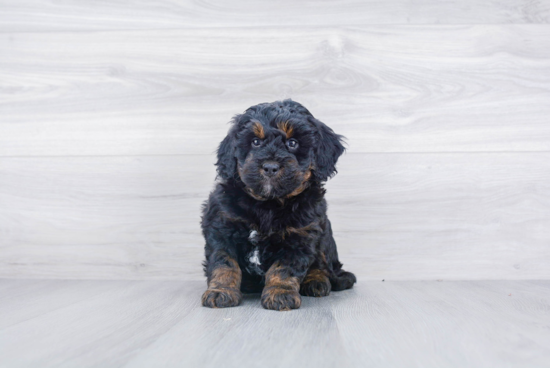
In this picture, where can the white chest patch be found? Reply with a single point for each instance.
(253, 237)
(255, 257)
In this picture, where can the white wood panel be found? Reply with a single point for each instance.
(388, 88)
(89, 217)
(396, 216)
(36, 15)
(376, 324)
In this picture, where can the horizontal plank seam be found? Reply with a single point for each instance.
(268, 27)
(198, 279)
(346, 153)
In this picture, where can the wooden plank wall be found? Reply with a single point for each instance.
(110, 114)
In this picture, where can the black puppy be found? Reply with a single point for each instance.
(265, 223)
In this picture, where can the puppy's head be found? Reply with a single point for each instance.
(277, 149)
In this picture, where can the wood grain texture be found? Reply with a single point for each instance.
(120, 316)
(110, 113)
(35, 15)
(396, 216)
(376, 324)
(387, 88)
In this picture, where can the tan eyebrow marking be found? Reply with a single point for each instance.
(287, 128)
(258, 130)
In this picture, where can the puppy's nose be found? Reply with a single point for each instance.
(271, 168)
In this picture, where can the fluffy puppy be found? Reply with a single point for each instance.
(265, 224)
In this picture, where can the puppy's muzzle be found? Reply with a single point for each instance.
(270, 168)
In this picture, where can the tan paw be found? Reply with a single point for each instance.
(280, 299)
(221, 298)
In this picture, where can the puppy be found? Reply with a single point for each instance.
(265, 224)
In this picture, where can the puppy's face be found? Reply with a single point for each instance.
(275, 158)
(277, 149)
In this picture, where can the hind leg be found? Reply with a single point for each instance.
(342, 280)
(316, 283)
(339, 279)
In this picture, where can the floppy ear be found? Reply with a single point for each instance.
(227, 161)
(329, 148)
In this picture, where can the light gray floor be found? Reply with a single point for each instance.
(377, 324)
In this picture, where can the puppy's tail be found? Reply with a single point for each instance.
(342, 280)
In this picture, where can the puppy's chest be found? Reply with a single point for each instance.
(263, 242)
(260, 251)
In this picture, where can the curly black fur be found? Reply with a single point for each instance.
(265, 223)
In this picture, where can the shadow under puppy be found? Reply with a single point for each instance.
(265, 223)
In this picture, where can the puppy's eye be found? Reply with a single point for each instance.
(256, 142)
(292, 143)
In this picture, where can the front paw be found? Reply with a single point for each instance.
(280, 299)
(221, 298)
